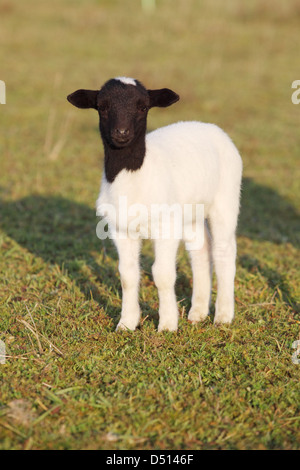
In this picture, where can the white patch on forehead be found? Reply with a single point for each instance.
(126, 80)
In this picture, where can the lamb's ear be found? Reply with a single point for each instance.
(84, 98)
(162, 98)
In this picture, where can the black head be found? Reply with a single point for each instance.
(123, 105)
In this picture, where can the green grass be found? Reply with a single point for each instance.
(70, 381)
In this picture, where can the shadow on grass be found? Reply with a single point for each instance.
(63, 232)
(266, 216)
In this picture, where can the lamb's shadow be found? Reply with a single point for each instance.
(63, 232)
(267, 216)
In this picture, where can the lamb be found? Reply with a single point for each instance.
(186, 163)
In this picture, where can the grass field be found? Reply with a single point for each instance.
(69, 381)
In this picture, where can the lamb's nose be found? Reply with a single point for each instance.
(122, 132)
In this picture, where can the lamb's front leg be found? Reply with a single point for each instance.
(202, 279)
(129, 269)
(164, 274)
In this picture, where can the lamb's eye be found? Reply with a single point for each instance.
(142, 108)
(103, 107)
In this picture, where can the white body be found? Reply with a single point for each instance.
(185, 163)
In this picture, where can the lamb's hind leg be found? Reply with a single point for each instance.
(224, 255)
(202, 276)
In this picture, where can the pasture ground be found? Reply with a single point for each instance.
(69, 381)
